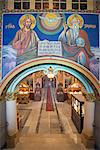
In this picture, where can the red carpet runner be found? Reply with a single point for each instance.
(49, 103)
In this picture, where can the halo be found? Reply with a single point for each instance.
(27, 16)
(79, 19)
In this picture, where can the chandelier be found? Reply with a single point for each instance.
(50, 74)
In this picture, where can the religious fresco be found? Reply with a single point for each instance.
(50, 23)
(72, 36)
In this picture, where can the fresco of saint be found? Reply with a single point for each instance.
(75, 41)
(23, 47)
(25, 38)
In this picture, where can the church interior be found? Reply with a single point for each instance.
(55, 116)
(49, 74)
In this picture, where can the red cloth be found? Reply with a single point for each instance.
(49, 103)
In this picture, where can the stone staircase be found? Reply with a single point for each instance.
(48, 135)
(47, 142)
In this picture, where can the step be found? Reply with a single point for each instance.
(44, 142)
(46, 135)
(46, 138)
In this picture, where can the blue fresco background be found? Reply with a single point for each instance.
(9, 54)
(91, 19)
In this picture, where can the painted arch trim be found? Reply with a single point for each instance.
(50, 60)
(25, 73)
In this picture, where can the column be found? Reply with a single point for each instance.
(73, 80)
(33, 76)
(50, 4)
(69, 5)
(11, 118)
(87, 133)
(63, 79)
(10, 4)
(57, 82)
(90, 5)
(32, 4)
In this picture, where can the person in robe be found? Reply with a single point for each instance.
(26, 39)
(37, 93)
(75, 42)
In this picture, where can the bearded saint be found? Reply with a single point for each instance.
(75, 43)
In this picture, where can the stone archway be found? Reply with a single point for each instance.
(10, 81)
(44, 67)
(79, 71)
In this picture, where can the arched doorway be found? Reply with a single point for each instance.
(9, 83)
(59, 64)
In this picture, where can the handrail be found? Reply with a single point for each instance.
(60, 123)
(82, 101)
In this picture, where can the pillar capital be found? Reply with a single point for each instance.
(11, 96)
(2, 97)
